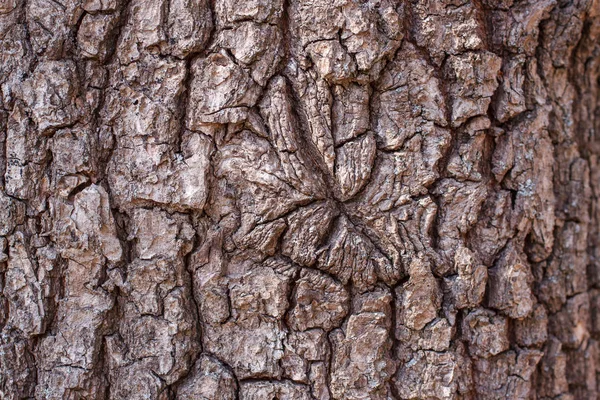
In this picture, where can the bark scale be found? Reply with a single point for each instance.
(300, 199)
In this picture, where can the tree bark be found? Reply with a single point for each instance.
(299, 199)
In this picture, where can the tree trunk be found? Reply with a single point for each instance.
(300, 199)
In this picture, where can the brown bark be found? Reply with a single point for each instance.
(301, 199)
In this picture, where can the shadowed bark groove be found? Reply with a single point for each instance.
(299, 199)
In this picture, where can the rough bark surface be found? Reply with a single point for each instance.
(299, 199)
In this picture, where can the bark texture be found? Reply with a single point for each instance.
(299, 199)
